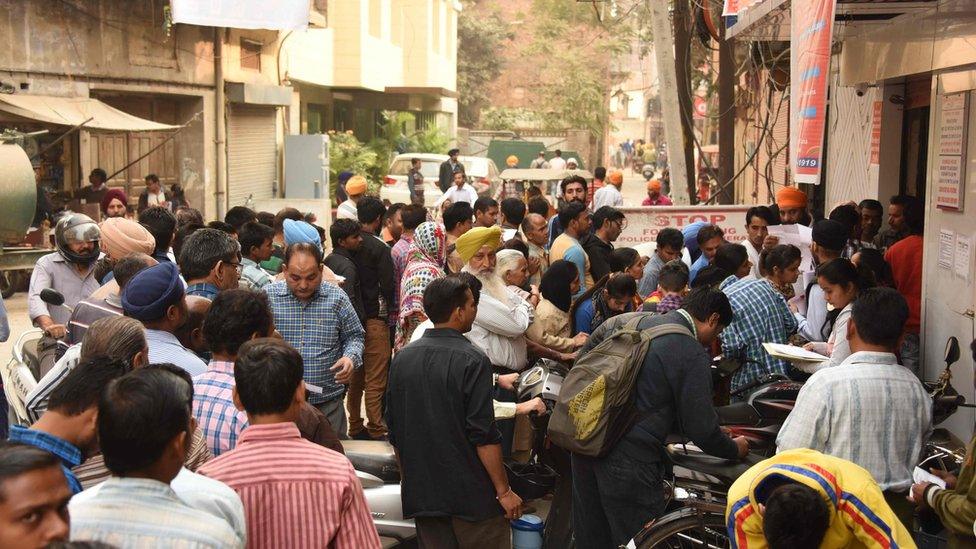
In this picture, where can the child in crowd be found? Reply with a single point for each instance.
(672, 285)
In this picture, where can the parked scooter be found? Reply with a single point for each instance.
(379, 473)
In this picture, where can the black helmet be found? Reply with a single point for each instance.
(76, 227)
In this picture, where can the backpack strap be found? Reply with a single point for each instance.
(666, 329)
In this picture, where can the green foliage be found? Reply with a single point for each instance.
(348, 154)
(431, 140)
(507, 118)
(480, 42)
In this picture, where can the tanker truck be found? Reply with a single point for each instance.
(18, 199)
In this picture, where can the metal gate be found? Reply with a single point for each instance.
(251, 154)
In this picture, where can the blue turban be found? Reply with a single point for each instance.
(151, 291)
(300, 231)
(344, 176)
(690, 232)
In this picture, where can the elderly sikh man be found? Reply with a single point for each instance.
(502, 319)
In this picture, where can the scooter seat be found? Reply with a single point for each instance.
(739, 413)
(375, 457)
(725, 470)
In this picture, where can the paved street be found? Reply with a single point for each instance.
(17, 316)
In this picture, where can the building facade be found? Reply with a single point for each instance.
(211, 105)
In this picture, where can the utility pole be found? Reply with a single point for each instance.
(726, 110)
(664, 53)
(682, 66)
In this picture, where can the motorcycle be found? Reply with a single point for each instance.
(700, 483)
(21, 374)
(648, 171)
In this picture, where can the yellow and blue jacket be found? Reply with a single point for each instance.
(860, 518)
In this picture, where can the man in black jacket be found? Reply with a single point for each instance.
(376, 278)
(448, 167)
(614, 496)
(608, 223)
(347, 238)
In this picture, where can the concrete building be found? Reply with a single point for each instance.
(219, 101)
(900, 117)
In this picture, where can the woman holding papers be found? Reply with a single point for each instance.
(841, 282)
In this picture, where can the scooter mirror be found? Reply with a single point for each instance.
(54, 297)
(951, 351)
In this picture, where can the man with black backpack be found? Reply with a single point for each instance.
(617, 489)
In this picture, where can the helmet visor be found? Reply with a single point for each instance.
(85, 232)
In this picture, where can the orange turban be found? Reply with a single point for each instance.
(791, 197)
(356, 185)
(617, 178)
(654, 185)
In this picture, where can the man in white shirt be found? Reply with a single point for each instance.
(609, 194)
(829, 238)
(557, 162)
(503, 317)
(869, 409)
(356, 189)
(460, 191)
(758, 219)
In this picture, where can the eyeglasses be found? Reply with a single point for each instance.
(622, 223)
(237, 266)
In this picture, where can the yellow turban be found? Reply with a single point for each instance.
(470, 242)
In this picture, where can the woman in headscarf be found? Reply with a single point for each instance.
(425, 263)
(551, 326)
(114, 203)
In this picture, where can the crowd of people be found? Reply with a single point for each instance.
(197, 388)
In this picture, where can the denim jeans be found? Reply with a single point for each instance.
(614, 496)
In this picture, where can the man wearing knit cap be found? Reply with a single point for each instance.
(792, 204)
(114, 203)
(356, 189)
(156, 298)
(654, 196)
(829, 238)
(609, 195)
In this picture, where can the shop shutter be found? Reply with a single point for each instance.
(251, 154)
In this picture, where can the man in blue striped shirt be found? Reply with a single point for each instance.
(67, 428)
(318, 319)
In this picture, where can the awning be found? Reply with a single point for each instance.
(72, 111)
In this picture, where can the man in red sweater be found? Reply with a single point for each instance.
(905, 258)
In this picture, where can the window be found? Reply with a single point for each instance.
(315, 118)
(250, 55)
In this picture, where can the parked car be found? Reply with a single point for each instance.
(481, 173)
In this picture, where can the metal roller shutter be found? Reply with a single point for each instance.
(251, 154)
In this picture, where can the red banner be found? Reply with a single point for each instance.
(811, 27)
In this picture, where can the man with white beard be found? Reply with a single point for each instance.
(503, 316)
(499, 327)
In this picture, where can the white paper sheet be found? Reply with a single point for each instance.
(946, 259)
(964, 251)
(792, 353)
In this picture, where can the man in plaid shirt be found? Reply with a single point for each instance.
(235, 317)
(319, 320)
